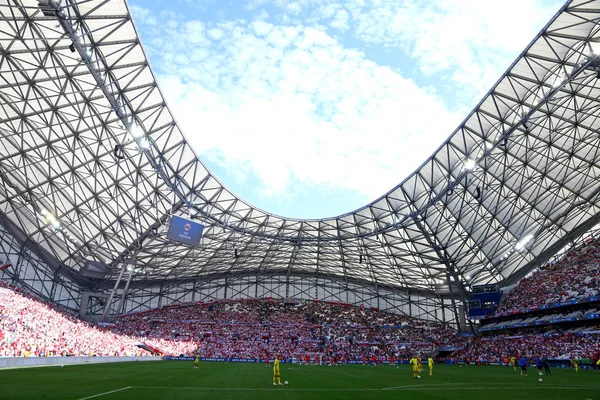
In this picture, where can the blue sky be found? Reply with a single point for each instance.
(313, 108)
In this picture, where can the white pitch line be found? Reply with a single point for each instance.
(474, 384)
(31, 366)
(430, 385)
(400, 388)
(105, 393)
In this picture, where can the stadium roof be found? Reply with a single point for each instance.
(93, 164)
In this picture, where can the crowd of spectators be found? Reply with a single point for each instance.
(575, 276)
(221, 329)
(29, 327)
(553, 345)
(264, 328)
(259, 328)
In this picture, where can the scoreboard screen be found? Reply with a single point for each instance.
(185, 231)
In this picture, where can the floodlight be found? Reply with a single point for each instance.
(470, 164)
(136, 131)
(523, 242)
(144, 143)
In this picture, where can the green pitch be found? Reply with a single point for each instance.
(177, 380)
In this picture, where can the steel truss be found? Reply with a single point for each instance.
(93, 164)
(23, 268)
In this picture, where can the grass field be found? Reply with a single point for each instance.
(177, 380)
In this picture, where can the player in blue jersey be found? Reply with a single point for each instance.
(523, 365)
(539, 365)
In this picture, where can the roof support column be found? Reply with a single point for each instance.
(122, 300)
(106, 310)
(453, 301)
(450, 271)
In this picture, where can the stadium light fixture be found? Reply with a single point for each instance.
(144, 143)
(523, 242)
(559, 80)
(49, 218)
(470, 164)
(136, 131)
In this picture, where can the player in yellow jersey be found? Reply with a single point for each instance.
(575, 364)
(513, 363)
(430, 363)
(415, 366)
(420, 364)
(196, 361)
(276, 375)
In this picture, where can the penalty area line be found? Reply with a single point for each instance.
(105, 393)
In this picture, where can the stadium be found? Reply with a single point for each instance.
(123, 258)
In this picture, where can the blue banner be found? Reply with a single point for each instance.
(534, 323)
(543, 307)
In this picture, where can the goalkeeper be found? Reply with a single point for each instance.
(276, 375)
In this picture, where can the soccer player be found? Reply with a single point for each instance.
(546, 365)
(539, 364)
(364, 360)
(267, 360)
(575, 364)
(415, 367)
(276, 375)
(430, 364)
(196, 361)
(513, 363)
(523, 365)
(420, 364)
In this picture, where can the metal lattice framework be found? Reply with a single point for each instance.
(93, 164)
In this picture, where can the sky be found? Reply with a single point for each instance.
(311, 109)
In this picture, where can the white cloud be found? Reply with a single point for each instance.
(215, 34)
(340, 20)
(286, 102)
(143, 15)
(465, 42)
(292, 106)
